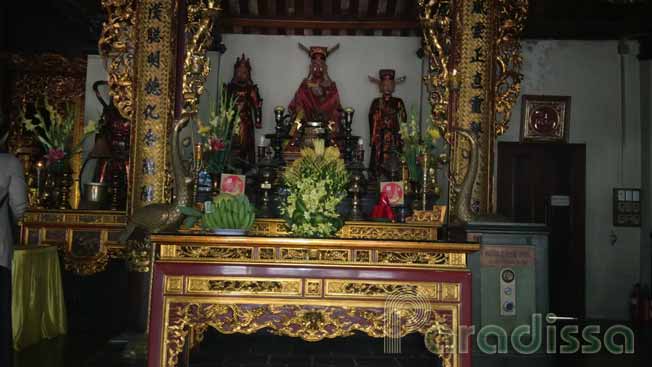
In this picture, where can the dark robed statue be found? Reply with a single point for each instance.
(243, 89)
(317, 98)
(385, 115)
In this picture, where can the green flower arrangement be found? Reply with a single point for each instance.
(316, 183)
(414, 144)
(216, 134)
(53, 129)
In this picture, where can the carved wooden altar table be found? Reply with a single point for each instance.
(308, 288)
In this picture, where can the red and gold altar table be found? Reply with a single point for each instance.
(308, 288)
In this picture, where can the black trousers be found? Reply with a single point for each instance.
(6, 343)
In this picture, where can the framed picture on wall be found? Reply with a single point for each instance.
(545, 118)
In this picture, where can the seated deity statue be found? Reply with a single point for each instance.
(316, 99)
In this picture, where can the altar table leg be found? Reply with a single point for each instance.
(156, 323)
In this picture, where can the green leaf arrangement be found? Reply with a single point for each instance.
(216, 134)
(53, 127)
(416, 144)
(316, 182)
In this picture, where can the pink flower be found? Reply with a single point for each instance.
(54, 154)
(216, 144)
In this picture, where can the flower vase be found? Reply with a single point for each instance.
(216, 161)
(57, 167)
(53, 186)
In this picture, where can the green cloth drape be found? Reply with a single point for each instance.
(38, 308)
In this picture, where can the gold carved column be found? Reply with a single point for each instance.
(473, 82)
(155, 62)
(139, 42)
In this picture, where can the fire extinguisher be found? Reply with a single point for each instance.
(644, 309)
(634, 304)
(649, 313)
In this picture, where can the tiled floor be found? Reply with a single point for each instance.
(272, 351)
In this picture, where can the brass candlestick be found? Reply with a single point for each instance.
(196, 168)
(277, 139)
(265, 188)
(348, 146)
(39, 168)
(64, 195)
(356, 190)
(425, 160)
(115, 190)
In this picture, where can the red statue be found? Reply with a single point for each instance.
(250, 104)
(385, 115)
(317, 98)
(382, 210)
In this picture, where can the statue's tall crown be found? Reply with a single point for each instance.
(319, 51)
(243, 61)
(387, 74)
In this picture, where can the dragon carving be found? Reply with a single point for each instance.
(464, 190)
(165, 217)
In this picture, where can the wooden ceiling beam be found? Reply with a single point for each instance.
(360, 24)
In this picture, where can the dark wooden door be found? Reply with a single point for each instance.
(529, 175)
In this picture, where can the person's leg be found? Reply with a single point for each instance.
(6, 344)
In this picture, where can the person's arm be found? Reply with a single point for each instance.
(17, 189)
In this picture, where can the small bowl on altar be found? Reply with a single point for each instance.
(96, 194)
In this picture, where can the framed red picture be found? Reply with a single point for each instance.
(232, 184)
(545, 118)
(394, 191)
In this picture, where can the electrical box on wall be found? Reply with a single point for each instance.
(507, 292)
(627, 207)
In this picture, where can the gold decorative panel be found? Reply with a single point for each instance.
(266, 253)
(380, 289)
(412, 257)
(401, 231)
(314, 251)
(450, 292)
(313, 288)
(216, 253)
(362, 256)
(230, 286)
(174, 284)
(313, 254)
(357, 230)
